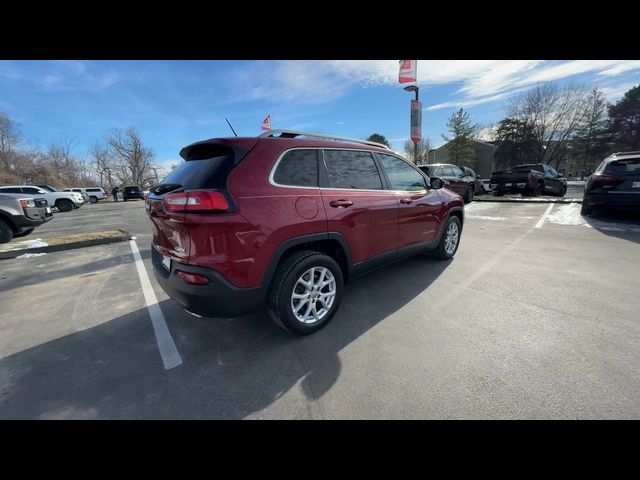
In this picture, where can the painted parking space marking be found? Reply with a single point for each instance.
(544, 216)
(168, 351)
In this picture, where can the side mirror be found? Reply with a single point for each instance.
(477, 177)
(436, 183)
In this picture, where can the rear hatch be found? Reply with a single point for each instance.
(198, 185)
(618, 177)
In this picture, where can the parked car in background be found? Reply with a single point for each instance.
(479, 189)
(454, 179)
(529, 179)
(615, 183)
(92, 194)
(284, 222)
(486, 185)
(49, 188)
(63, 201)
(20, 214)
(132, 192)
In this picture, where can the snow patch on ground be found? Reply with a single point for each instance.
(568, 214)
(30, 255)
(22, 245)
(484, 217)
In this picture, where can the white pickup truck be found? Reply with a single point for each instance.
(63, 201)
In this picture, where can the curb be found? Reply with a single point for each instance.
(67, 246)
(524, 200)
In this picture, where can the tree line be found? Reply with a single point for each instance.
(120, 158)
(542, 125)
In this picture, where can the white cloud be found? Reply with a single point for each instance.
(622, 67)
(614, 92)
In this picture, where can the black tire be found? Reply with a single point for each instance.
(6, 232)
(93, 199)
(64, 205)
(279, 298)
(563, 192)
(26, 232)
(586, 210)
(537, 190)
(441, 250)
(468, 198)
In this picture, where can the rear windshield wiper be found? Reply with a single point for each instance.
(166, 188)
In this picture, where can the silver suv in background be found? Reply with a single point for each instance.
(20, 214)
(92, 194)
(63, 201)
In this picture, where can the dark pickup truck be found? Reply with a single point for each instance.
(531, 179)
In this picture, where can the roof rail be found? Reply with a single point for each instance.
(295, 133)
(617, 154)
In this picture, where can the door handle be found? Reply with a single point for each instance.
(406, 201)
(341, 203)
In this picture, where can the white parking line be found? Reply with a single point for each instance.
(544, 215)
(168, 351)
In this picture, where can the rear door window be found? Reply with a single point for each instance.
(447, 172)
(298, 168)
(11, 190)
(352, 169)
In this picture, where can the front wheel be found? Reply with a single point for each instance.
(305, 292)
(449, 240)
(93, 199)
(64, 205)
(469, 197)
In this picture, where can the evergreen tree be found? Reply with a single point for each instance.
(461, 151)
(379, 138)
(625, 121)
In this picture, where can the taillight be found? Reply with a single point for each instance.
(604, 180)
(529, 176)
(198, 200)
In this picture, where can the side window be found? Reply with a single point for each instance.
(298, 168)
(10, 190)
(457, 172)
(550, 171)
(447, 172)
(401, 175)
(76, 190)
(30, 190)
(351, 169)
(437, 172)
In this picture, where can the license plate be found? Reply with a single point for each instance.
(166, 263)
(508, 184)
(635, 185)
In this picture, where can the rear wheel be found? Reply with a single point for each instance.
(64, 205)
(305, 292)
(537, 191)
(6, 232)
(586, 209)
(93, 199)
(450, 239)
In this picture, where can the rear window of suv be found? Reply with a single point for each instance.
(629, 166)
(298, 168)
(352, 169)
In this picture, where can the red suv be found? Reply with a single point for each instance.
(286, 219)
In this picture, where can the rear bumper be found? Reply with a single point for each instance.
(218, 298)
(613, 200)
(513, 188)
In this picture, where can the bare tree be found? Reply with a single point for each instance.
(554, 115)
(423, 149)
(9, 140)
(134, 161)
(104, 163)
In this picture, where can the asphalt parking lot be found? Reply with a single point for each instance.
(535, 317)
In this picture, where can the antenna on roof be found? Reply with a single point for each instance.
(234, 132)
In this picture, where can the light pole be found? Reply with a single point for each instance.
(414, 88)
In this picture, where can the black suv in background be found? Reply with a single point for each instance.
(454, 178)
(615, 183)
(132, 192)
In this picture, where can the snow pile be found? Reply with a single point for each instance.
(29, 255)
(568, 214)
(23, 245)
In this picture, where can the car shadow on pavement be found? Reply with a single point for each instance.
(623, 224)
(232, 368)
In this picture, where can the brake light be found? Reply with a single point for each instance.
(198, 200)
(604, 180)
(193, 278)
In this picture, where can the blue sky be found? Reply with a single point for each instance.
(174, 103)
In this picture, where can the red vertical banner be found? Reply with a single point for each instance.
(416, 121)
(408, 71)
(266, 123)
